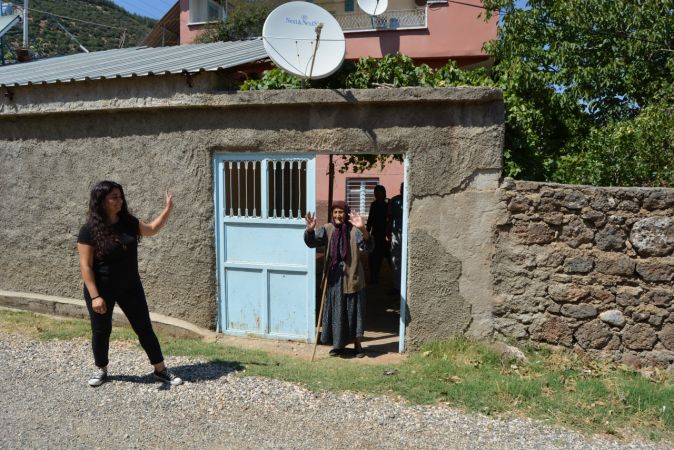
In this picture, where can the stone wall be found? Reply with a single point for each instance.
(587, 267)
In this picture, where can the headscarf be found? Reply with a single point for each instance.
(339, 244)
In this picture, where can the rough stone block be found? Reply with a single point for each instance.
(593, 335)
(616, 219)
(603, 202)
(655, 270)
(576, 233)
(549, 258)
(610, 238)
(533, 233)
(639, 336)
(579, 311)
(554, 330)
(603, 295)
(614, 345)
(578, 264)
(630, 205)
(596, 217)
(653, 236)
(511, 328)
(518, 205)
(649, 313)
(659, 297)
(628, 295)
(615, 264)
(571, 200)
(527, 186)
(613, 317)
(660, 358)
(567, 293)
(554, 308)
(553, 218)
(666, 336)
(659, 200)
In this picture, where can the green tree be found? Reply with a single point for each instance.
(587, 87)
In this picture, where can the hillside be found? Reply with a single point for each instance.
(48, 39)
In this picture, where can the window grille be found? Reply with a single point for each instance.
(242, 186)
(287, 184)
(360, 194)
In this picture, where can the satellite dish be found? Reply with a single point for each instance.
(373, 7)
(304, 40)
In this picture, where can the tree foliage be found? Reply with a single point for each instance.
(587, 84)
(47, 39)
(587, 87)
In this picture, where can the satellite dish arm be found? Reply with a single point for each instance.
(319, 28)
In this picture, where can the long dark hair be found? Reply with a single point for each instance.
(104, 236)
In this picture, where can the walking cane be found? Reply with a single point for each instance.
(320, 313)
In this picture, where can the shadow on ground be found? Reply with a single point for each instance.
(193, 373)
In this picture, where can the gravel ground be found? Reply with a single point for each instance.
(46, 403)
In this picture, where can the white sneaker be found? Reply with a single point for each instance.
(167, 377)
(99, 377)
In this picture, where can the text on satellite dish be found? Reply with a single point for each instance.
(304, 20)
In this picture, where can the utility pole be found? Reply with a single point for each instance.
(25, 24)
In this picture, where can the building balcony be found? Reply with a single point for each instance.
(390, 20)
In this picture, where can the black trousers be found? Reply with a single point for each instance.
(134, 305)
(380, 253)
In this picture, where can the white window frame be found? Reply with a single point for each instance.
(203, 5)
(364, 198)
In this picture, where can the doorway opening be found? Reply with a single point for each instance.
(355, 182)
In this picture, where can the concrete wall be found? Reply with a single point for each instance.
(152, 139)
(588, 267)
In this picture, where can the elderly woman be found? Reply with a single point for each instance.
(344, 310)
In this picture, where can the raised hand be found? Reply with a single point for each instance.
(357, 220)
(310, 219)
(169, 200)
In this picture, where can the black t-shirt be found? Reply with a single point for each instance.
(119, 268)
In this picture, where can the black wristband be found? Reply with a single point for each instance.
(94, 298)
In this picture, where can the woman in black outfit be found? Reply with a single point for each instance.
(108, 248)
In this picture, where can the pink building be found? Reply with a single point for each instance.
(430, 32)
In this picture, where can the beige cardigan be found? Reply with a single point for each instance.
(354, 273)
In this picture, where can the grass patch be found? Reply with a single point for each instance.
(553, 385)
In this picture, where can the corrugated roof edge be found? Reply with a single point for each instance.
(154, 60)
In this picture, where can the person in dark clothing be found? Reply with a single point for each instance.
(344, 310)
(376, 225)
(395, 234)
(108, 250)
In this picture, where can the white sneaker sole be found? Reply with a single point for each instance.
(95, 382)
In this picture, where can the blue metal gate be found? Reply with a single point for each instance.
(266, 274)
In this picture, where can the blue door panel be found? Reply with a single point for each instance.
(264, 244)
(247, 288)
(287, 303)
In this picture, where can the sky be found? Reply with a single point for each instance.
(157, 8)
(148, 8)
